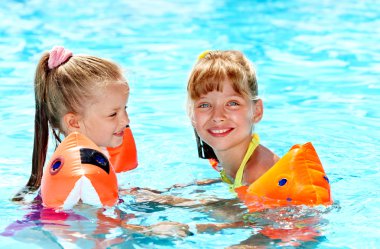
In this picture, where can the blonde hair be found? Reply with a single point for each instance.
(209, 74)
(213, 67)
(64, 89)
(61, 90)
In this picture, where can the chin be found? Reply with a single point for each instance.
(219, 147)
(113, 144)
(117, 144)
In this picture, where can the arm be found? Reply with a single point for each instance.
(165, 228)
(148, 195)
(212, 228)
(198, 183)
(179, 185)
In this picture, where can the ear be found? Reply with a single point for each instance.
(71, 122)
(259, 111)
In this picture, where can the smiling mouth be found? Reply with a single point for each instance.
(119, 134)
(220, 132)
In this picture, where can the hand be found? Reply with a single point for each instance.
(202, 228)
(164, 229)
(134, 190)
(199, 183)
(168, 228)
(207, 181)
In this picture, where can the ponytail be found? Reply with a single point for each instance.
(41, 131)
(61, 83)
(41, 138)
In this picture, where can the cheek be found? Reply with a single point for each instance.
(250, 117)
(198, 128)
(245, 116)
(198, 118)
(195, 122)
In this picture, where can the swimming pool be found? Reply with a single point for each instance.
(318, 67)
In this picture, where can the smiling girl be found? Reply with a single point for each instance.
(76, 93)
(86, 95)
(224, 107)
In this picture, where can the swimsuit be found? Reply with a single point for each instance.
(239, 174)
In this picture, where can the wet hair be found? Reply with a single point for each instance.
(58, 91)
(209, 73)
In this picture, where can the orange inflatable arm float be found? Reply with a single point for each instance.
(124, 157)
(297, 178)
(78, 170)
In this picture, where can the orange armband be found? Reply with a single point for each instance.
(298, 178)
(124, 157)
(78, 170)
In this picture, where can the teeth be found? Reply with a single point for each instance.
(219, 131)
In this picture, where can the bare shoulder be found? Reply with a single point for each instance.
(268, 156)
(259, 163)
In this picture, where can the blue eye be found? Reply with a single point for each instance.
(204, 105)
(233, 103)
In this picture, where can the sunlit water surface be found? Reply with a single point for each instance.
(318, 65)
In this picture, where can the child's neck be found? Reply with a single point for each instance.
(105, 151)
(231, 160)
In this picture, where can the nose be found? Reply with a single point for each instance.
(124, 119)
(218, 114)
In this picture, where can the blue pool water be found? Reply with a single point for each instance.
(318, 65)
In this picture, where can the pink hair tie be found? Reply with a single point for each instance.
(57, 56)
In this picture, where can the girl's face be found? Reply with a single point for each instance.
(105, 119)
(225, 119)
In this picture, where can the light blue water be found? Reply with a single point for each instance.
(318, 65)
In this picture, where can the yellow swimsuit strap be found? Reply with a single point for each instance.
(239, 174)
(251, 148)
